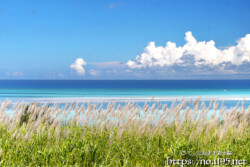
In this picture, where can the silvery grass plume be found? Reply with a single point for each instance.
(34, 119)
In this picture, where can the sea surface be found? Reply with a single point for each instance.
(231, 91)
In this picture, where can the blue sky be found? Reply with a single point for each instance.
(44, 39)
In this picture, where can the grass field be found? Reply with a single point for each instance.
(128, 135)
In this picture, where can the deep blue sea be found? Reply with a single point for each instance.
(61, 90)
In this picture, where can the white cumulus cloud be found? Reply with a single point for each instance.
(94, 72)
(15, 74)
(205, 53)
(78, 66)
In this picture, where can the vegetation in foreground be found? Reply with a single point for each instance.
(54, 135)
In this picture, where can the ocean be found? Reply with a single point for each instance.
(231, 91)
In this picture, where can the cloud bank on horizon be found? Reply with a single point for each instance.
(195, 58)
(204, 54)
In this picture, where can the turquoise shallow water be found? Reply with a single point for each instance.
(230, 96)
(47, 93)
(231, 91)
